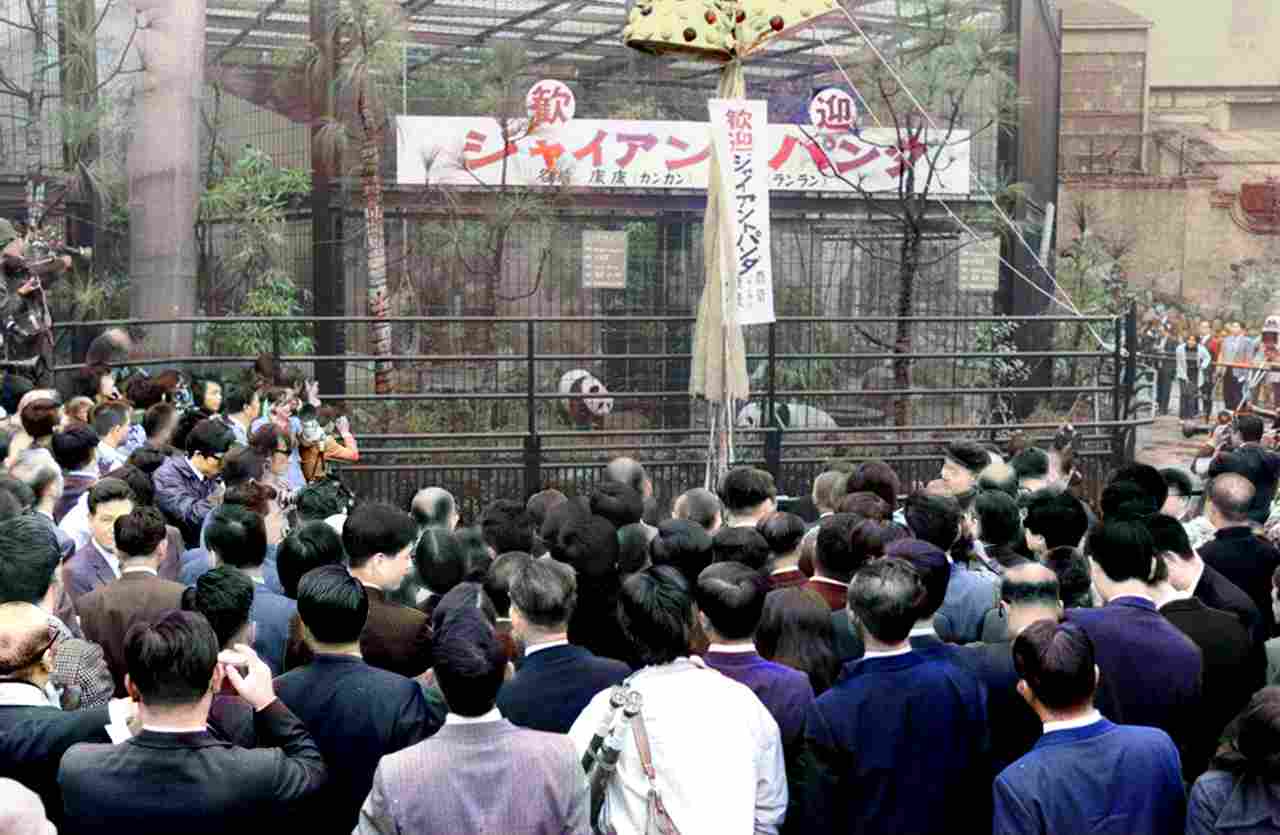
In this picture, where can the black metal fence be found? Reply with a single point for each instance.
(483, 414)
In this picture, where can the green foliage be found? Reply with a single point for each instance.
(274, 295)
(997, 372)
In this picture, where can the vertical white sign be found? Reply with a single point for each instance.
(739, 129)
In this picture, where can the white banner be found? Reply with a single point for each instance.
(618, 153)
(738, 128)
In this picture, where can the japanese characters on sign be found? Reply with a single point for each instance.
(833, 110)
(549, 103)
(604, 260)
(737, 128)
(618, 153)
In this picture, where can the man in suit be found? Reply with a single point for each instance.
(175, 776)
(186, 490)
(97, 564)
(749, 495)
(356, 713)
(29, 574)
(1151, 672)
(1255, 462)
(556, 679)
(1085, 774)
(834, 561)
(76, 451)
(850, 542)
(479, 773)
(1235, 551)
(36, 468)
(379, 540)
(861, 764)
(238, 538)
(108, 612)
(34, 732)
(970, 596)
(1028, 593)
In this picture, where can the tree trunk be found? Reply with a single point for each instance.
(35, 114)
(375, 247)
(908, 265)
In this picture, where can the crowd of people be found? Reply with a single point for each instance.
(1210, 362)
(201, 630)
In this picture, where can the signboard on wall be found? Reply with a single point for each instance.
(622, 153)
(604, 260)
(980, 266)
(738, 129)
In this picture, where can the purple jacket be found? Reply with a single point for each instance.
(183, 497)
(785, 692)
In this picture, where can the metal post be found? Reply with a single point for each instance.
(1117, 393)
(275, 340)
(773, 437)
(532, 443)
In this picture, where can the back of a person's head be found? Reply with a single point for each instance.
(999, 518)
(241, 464)
(468, 595)
(1148, 478)
(782, 532)
(1124, 551)
(439, 560)
(1179, 481)
(746, 488)
(108, 490)
(1250, 428)
(633, 547)
(139, 532)
(158, 418)
(866, 505)
(562, 515)
(109, 416)
(251, 495)
(655, 610)
(875, 477)
(39, 418)
(11, 391)
(1056, 662)
(507, 526)
(209, 438)
(740, 545)
(1032, 462)
(224, 595)
(375, 528)
(236, 398)
(999, 477)
(933, 518)
(309, 546)
(1059, 518)
(140, 484)
(15, 497)
(433, 507)
(698, 505)
(1127, 500)
(475, 554)
(885, 597)
(796, 630)
(1231, 494)
(618, 503)
(74, 446)
(626, 471)
(838, 555)
(1031, 584)
(542, 503)
(933, 567)
(684, 545)
(1253, 748)
(470, 663)
(497, 583)
(29, 555)
(238, 536)
(36, 468)
(320, 500)
(829, 488)
(170, 660)
(731, 596)
(1168, 535)
(967, 454)
(147, 459)
(1075, 585)
(590, 545)
(332, 604)
(545, 592)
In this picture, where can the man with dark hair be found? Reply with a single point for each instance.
(834, 561)
(874, 477)
(1054, 520)
(1151, 672)
(1032, 467)
(861, 765)
(684, 545)
(224, 596)
(730, 598)
(507, 526)
(308, 546)
(34, 732)
(999, 477)
(1127, 501)
(379, 540)
(1255, 462)
(1235, 552)
(1000, 529)
(175, 776)
(1085, 772)
(434, 507)
(75, 449)
(1148, 478)
(557, 679)
(1182, 490)
(1075, 582)
(701, 507)
(479, 773)
(108, 612)
(630, 472)
(717, 740)
(322, 500)
(97, 563)
(970, 596)
(186, 487)
(356, 713)
(741, 545)
(28, 574)
(961, 463)
(440, 564)
(749, 495)
(616, 502)
(111, 422)
(589, 544)
(541, 504)
(241, 407)
(159, 423)
(934, 569)
(1028, 593)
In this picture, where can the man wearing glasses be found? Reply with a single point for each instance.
(187, 489)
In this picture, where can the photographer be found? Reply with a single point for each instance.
(24, 312)
(317, 447)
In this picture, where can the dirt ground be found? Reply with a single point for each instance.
(1162, 444)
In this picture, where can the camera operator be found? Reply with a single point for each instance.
(24, 311)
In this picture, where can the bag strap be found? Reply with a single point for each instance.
(642, 746)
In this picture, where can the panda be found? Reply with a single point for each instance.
(786, 416)
(584, 412)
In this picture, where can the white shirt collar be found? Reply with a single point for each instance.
(555, 642)
(818, 579)
(1067, 724)
(168, 729)
(113, 562)
(194, 469)
(139, 569)
(23, 694)
(493, 715)
(886, 654)
(921, 631)
(1196, 582)
(86, 473)
(740, 648)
